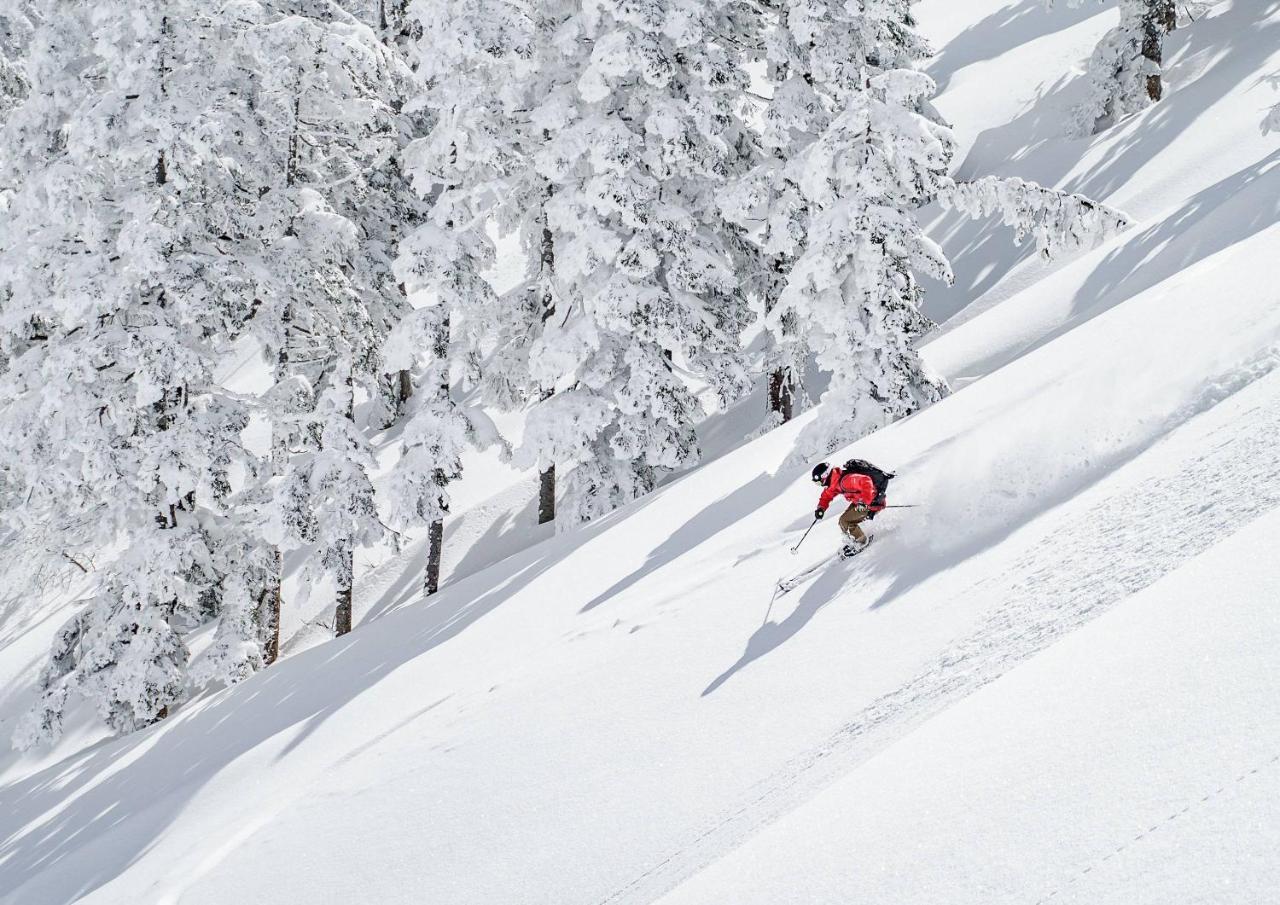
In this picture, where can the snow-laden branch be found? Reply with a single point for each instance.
(1271, 122)
(1058, 221)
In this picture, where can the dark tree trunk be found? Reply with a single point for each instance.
(435, 544)
(279, 436)
(547, 495)
(403, 388)
(342, 613)
(406, 388)
(1159, 20)
(292, 163)
(164, 419)
(269, 613)
(782, 394)
(547, 265)
(782, 384)
(271, 649)
(435, 534)
(270, 603)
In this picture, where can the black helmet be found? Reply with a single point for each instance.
(820, 472)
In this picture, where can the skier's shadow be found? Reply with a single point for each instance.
(772, 635)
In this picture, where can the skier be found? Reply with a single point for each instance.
(865, 495)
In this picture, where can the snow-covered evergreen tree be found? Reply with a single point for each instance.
(481, 68)
(643, 137)
(440, 264)
(855, 150)
(17, 24)
(817, 56)
(1126, 71)
(119, 300)
(436, 267)
(326, 498)
(856, 284)
(182, 180)
(609, 131)
(328, 113)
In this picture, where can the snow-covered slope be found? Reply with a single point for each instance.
(1150, 739)
(1053, 682)
(1196, 174)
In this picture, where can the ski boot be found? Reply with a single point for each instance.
(852, 548)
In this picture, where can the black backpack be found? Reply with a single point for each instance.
(879, 477)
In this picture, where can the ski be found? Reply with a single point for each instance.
(787, 585)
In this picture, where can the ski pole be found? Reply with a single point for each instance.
(796, 548)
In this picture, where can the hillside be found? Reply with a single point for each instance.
(1053, 681)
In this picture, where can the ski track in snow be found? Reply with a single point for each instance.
(1072, 574)
(1188, 808)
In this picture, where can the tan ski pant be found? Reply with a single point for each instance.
(849, 524)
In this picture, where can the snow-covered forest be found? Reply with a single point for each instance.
(407, 414)
(325, 186)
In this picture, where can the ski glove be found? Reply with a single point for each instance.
(818, 513)
(860, 508)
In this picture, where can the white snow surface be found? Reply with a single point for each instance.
(1054, 682)
(1152, 736)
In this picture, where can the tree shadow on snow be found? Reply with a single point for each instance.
(506, 535)
(74, 826)
(1211, 59)
(1003, 31)
(709, 522)
(1208, 61)
(1214, 219)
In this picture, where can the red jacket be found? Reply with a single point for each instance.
(857, 488)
